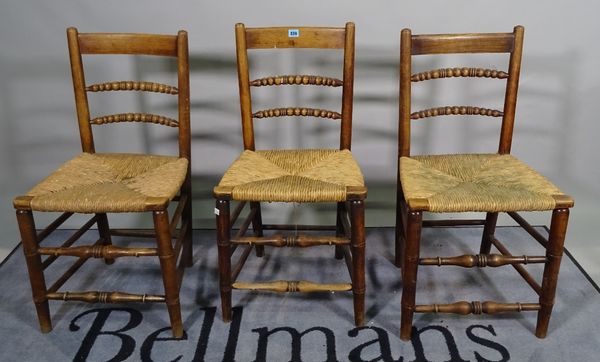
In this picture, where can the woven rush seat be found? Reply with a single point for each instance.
(110, 182)
(476, 182)
(309, 175)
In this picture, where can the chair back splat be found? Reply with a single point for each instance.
(511, 43)
(309, 38)
(174, 46)
(293, 175)
(101, 183)
(489, 183)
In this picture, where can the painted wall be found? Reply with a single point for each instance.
(556, 130)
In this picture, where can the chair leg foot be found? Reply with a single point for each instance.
(43, 313)
(175, 318)
(357, 242)
(169, 270)
(554, 252)
(543, 320)
(359, 309)
(34, 268)
(409, 272)
(406, 324)
(224, 250)
(226, 305)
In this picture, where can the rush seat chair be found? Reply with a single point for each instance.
(293, 175)
(99, 183)
(489, 183)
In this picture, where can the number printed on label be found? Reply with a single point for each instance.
(293, 33)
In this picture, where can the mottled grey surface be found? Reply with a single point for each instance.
(308, 327)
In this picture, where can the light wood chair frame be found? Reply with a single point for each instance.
(173, 236)
(409, 215)
(349, 240)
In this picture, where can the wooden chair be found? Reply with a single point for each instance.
(490, 183)
(101, 183)
(298, 175)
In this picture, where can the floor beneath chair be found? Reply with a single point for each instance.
(308, 327)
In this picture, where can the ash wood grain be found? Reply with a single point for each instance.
(410, 264)
(34, 268)
(116, 43)
(297, 111)
(357, 245)
(456, 111)
(81, 101)
(129, 85)
(98, 251)
(290, 286)
(106, 297)
(135, 117)
(308, 37)
(462, 43)
(405, 95)
(224, 251)
(241, 48)
(482, 260)
(168, 266)
(301, 240)
(510, 96)
(297, 80)
(554, 252)
(183, 100)
(476, 307)
(458, 72)
(348, 88)
(297, 227)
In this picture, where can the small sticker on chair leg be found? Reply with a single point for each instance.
(217, 212)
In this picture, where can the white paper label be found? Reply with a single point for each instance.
(217, 211)
(293, 33)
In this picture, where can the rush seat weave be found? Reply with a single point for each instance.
(109, 182)
(309, 175)
(476, 182)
